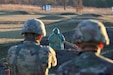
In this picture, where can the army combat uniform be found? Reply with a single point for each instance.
(27, 61)
(29, 57)
(87, 63)
(90, 36)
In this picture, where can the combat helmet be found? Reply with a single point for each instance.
(91, 30)
(34, 26)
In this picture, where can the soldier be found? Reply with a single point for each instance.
(90, 36)
(56, 40)
(31, 58)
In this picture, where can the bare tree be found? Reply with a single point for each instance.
(78, 5)
(51, 2)
(42, 2)
(15, 1)
(64, 2)
(81, 5)
(5, 1)
(28, 1)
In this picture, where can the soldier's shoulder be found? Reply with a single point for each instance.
(47, 48)
(67, 64)
(12, 48)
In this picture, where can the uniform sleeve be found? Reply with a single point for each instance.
(10, 58)
(11, 54)
(52, 57)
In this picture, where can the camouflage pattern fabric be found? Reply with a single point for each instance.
(88, 33)
(34, 26)
(87, 63)
(56, 40)
(26, 59)
(89, 30)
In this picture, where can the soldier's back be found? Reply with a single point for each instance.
(87, 63)
(27, 56)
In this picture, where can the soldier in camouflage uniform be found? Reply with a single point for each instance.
(56, 39)
(90, 36)
(31, 58)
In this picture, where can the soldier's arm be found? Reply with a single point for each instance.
(11, 54)
(53, 57)
(10, 58)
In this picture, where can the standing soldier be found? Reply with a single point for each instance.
(31, 58)
(56, 40)
(90, 36)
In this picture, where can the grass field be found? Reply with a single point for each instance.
(11, 21)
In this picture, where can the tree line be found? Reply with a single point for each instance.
(89, 3)
(98, 3)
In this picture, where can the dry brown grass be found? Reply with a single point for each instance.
(58, 9)
(5, 40)
(98, 10)
(6, 30)
(18, 17)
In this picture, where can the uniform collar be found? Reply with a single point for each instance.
(31, 42)
(87, 51)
